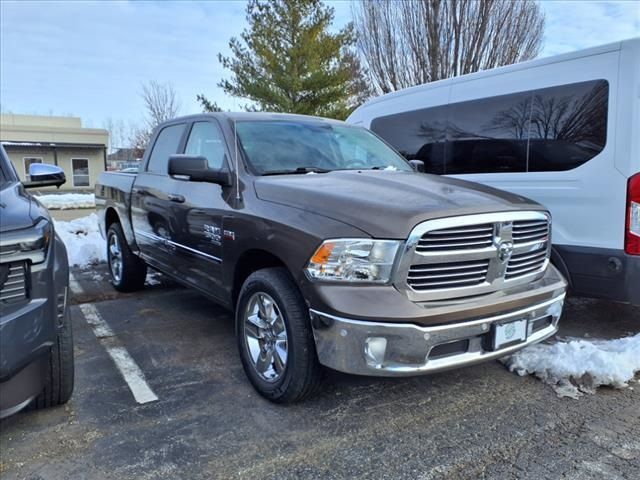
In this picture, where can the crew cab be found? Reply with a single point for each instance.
(331, 248)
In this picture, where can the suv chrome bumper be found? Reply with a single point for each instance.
(402, 349)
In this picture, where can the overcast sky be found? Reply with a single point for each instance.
(90, 58)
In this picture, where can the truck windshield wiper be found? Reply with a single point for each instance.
(298, 171)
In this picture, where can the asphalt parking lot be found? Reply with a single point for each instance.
(478, 422)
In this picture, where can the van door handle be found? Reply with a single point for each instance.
(176, 198)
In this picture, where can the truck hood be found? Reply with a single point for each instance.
(386, 204)
(17, 208)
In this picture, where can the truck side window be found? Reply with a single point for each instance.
(205, 139)
(167, 144)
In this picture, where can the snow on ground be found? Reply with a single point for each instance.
(66, 201)
(578, 366)
(153, 278)
(82, 238)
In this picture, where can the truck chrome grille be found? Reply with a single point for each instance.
(13, 282)
(530, 231)
(473, 255)
(525, 263)
(461, 238)
(447, 275)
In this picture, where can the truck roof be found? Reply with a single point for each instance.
(255, 116)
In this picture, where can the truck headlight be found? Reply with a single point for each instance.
(354, 260)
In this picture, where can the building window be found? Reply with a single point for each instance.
(80, 169)
(27, 161)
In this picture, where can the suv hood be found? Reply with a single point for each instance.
(17, 209)
(386, 204)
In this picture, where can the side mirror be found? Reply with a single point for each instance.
(45, 175)
(418, 165)
(197, 169)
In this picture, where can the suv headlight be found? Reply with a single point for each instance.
(354, 260)
(31, 244)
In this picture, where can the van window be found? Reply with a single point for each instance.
(488, 135)
(568, 125)
(167, 144)
(418, 135)
(550, 129)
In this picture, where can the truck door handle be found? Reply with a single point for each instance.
(176, 198)
(140, 191)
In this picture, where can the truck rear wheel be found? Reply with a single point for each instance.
(127, 270)
(275, 339)
(59, 377)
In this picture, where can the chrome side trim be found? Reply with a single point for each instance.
(497, 269)
(344, 344)
(167, 242)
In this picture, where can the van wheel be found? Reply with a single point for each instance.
(59, 377)
(275, 339)
(127, 270)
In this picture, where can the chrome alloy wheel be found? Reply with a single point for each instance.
(115, 257)
(265, 336)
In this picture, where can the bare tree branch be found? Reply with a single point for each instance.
(412, 42)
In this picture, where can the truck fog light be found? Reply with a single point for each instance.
(374, 350)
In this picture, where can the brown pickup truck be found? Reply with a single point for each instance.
(331, 249)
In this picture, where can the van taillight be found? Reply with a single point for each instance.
(632, 236)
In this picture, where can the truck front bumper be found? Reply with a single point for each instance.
(379, 348)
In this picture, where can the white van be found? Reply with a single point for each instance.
(564, 131)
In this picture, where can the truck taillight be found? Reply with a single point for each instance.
(632, 234)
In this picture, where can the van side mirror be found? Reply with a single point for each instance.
(45, 175)
(196, 168)
(418, 165)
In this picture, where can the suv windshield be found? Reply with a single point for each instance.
(280, 147)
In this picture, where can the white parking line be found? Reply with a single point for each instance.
(125, 364)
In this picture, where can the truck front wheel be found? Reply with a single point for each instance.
(275, 339)
(127, 270)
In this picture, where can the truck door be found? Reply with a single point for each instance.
(151, 207)
(199, 209)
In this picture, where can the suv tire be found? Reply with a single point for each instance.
(127, 270)
(59, 377)
(285, 334)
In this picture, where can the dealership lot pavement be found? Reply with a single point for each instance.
(478, 422)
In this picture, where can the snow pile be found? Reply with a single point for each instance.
(580, 366)
(66, 201)
(82, 238)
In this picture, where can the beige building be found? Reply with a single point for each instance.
(80, 152)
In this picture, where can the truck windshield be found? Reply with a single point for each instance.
(286, 147)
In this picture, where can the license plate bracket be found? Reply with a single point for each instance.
(507, 334)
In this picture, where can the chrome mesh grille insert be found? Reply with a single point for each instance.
(447, 275)
(460, 238)
(530, 231)
(525, 263)
(13, 282)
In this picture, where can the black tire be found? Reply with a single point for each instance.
(59, 377)
(303, 374)
(133, 269)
